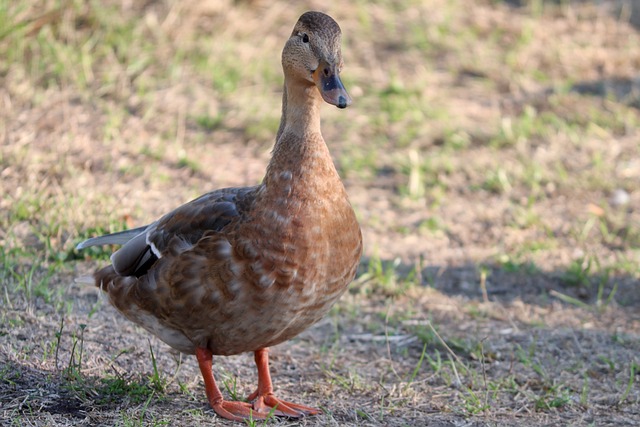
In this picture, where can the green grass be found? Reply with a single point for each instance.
(230, 385)
(384, 277)
(579, 272)
(114, 389)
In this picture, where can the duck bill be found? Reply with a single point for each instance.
(330, 86)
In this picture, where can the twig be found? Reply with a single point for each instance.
(444, 343)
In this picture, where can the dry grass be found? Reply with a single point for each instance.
(491, 155)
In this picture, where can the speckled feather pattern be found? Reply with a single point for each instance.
(242, 269)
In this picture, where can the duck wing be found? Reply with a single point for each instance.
(175, 232)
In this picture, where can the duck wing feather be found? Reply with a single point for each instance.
(175, 232)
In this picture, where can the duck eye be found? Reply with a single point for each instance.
(305, 38)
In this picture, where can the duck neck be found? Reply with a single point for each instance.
(300, 150)
(300, 110)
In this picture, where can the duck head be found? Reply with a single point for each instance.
(312, 56)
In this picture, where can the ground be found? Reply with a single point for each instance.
(491, 155)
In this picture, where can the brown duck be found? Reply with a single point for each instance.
(244, 269)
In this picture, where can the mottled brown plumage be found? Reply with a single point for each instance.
(243, 269)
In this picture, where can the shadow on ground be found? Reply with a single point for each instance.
(533, 286)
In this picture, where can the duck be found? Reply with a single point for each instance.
(243, 269)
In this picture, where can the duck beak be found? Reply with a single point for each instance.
(331, 88)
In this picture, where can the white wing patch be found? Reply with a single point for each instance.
(155, 250)
(152, 245)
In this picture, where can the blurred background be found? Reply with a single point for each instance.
(491, 153)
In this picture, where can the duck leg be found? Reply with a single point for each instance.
(263, 399)
(236, 411)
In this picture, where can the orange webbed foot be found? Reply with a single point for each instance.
(263, 399)
(237, 411)
(268, 403)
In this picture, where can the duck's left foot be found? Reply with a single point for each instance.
(263, 400)
(268, 403)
